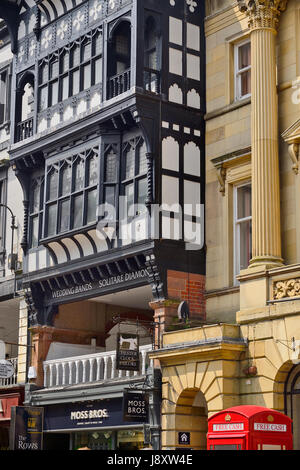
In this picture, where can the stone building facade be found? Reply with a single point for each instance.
(248, 351)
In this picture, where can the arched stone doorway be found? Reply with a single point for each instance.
(191, 417)
(292, 402)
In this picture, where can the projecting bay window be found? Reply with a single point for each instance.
(71, 195)
(242, 227)
(70, 70)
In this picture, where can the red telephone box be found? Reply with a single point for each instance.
(249, 428)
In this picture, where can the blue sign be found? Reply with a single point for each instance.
(97, 414)
(26, 428)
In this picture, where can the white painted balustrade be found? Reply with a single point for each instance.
(89, 368)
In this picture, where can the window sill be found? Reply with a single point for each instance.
(227, 109)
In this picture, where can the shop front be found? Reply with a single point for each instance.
(96, 425)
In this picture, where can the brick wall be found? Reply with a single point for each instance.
(189, 287)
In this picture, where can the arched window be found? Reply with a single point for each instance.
(292, 399)
(25, 108)
(119, 58)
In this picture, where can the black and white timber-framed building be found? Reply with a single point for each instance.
(107, 141)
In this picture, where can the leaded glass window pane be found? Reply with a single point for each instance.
(51, 217)
(54, 93)
(98, 71)
(65, 62)
(86, 51)
(34, 232)
(79, 175)
(91, 206)
(130, 163)
(44, 73)
(109, 195)
(122, 45)
(111, 167)
(54, 70)
(65, 88)
(43, 100)
(53, 185)
(142, 192)
(78, 207)
(66, 179)
(87, 76)
(64, 215)
(75, 82)
(35, 203)
(93, 171)
(129, 194)
(98, 44)
(142, 160)
(75, 56)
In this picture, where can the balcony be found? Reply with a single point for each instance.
(24, 130)
(90, 368)
(118, 84)
(11, 381)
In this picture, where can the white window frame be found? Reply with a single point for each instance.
(238, 72)
(236, 229)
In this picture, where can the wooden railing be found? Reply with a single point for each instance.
(89, 368)
(118, 84)
(24, 130)
(151, 80)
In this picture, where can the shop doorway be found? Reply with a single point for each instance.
(56, 441)
(191, 418)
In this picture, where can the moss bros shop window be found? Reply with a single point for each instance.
(98, 425)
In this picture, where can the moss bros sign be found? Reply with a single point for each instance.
(95, 287)
(97, 414)
(135, 406)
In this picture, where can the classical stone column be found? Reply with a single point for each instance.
(263, 18)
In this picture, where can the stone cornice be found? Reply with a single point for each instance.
(262, 14)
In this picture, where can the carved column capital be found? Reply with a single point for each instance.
(262, 14)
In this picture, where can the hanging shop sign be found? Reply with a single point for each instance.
(135, 406)
(128, 356)
(26, 428)
(7, 370)
(98, 287)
